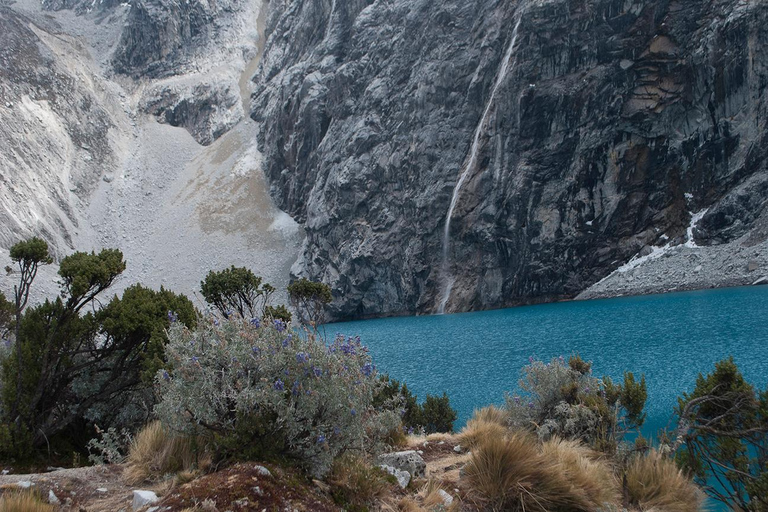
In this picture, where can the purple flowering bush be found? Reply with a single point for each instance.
(318, 397)
(566, 400)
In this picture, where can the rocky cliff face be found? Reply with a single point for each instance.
(615, 123)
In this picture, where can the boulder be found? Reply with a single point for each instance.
(143, 498)
(409, 461)
(403, 477)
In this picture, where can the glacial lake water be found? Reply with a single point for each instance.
(476, 357)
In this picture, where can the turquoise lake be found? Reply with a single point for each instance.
(476, 357)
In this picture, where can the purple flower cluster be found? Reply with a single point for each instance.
(172, 316)
(302, 357)
(279, 385)
(279, 325)
(255, 322)
(367, 369)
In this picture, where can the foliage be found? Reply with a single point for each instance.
(724, 435)
(437, 415)
(279, 312)
(654, 482)
(237, 290)
(78, 367)
(6, 317)
(317, 398)
(434, 415)
(110, 447)
(28, 255)
(309, 300)
(566, 400)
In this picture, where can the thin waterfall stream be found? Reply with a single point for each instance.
(469, 168)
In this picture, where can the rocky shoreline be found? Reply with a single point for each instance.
(681, 268)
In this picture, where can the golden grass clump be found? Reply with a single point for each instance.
(655, 482)
(513, 474)
(486, 423)
(428, 499)
(355, 483)
(589, 473)
(154, 453)
(23, 501)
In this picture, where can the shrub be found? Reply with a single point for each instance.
(155, 452)
(437, 415)
(565, 400)
(510, 473)
(724, 435)
(236, 290)
(226, 378)
(309, 299)
(654, 482)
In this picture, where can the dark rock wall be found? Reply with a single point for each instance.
(617, 120)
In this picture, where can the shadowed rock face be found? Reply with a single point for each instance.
(617, 120)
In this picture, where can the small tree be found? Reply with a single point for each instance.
(309, 299)
(437, 415)
(723, 437)
(28, 255)
(237, 290)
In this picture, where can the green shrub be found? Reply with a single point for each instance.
(724, 435)
(437, 415)
(317, 397)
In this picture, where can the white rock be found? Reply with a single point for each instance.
(52, 498)
(262, 470)
(457, 448)
(102, 489)
(143, 498)
(24, 484)
(447, 498)
(403, 477)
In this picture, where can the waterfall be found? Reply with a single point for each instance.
(447, 278)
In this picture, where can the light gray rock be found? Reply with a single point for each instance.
(25, 484)
(52, 498)
(447, 498)
(409, 461)
(262, 470)
(403, 477)
(143, 498)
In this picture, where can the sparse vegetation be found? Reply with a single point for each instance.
(309, 299)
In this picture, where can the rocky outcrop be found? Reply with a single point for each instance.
(207, 110)
(615, 123)
(55, 134)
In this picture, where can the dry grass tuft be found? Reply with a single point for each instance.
(154, 453)
(488, 422)
(590, 475)
(654, 481)
(428, 499)
(23, 501)
(513, 474)
(355, 483)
